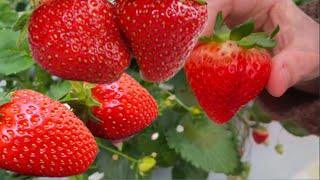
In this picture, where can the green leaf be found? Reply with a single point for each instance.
(12, 59)
(22, 21)
(258, 114)
(275, 32)
(182, 89)
(79, 177)
(114, 169)
(4, 98)
(300, 2)
(7, 15)
(185, 170)
(59, 90)
(6, 175)
(206, 145)
(142, 145)
(294, 129)
(242, 30)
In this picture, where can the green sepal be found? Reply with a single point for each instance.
(202, 2)
(82, 92)
(22, 21)
(219, 22)
(93, 117)
(243, 30)
(242, 34)
(204, 39)
(275, 32)
(246, 43)
(22, 24)
(214, 37)
(259, 39)
(5, 98)
(23, 36)
(220, 27)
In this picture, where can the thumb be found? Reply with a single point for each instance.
(291, 67)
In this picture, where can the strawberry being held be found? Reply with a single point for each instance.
(229, 69)
(161, 33)
(126, 108)
(41, 137)
(78, 40)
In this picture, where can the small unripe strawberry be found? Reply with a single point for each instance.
(260, 135)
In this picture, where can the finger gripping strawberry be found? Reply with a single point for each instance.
(41, 137)
(126, 108)
(78, 40)
(162, 33)
(229, 69)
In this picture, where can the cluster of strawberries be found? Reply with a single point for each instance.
(93, 41)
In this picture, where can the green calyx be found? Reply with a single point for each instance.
(5, 98)
(82, 91)
(201, 2)
(81, 100)
(261, 130)
(242, 34)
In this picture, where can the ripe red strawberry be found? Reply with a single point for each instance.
(41, 137)
(78, 40)
(260, 135)
(229, 69)
(126, 109)
(162, 33)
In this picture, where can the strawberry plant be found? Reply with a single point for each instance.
(145, 111)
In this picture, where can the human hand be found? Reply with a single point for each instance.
(296, 57)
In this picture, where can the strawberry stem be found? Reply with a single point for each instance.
(118, 153)
(180, 102)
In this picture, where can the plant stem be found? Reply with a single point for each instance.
(180, 102)
(118, 153)
(246, 121)
(183, 105)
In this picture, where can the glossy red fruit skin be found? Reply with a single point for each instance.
(127, 108)
(41, 137)
(78, 40)
(162, 33)
(224, 77)
(260, 136)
